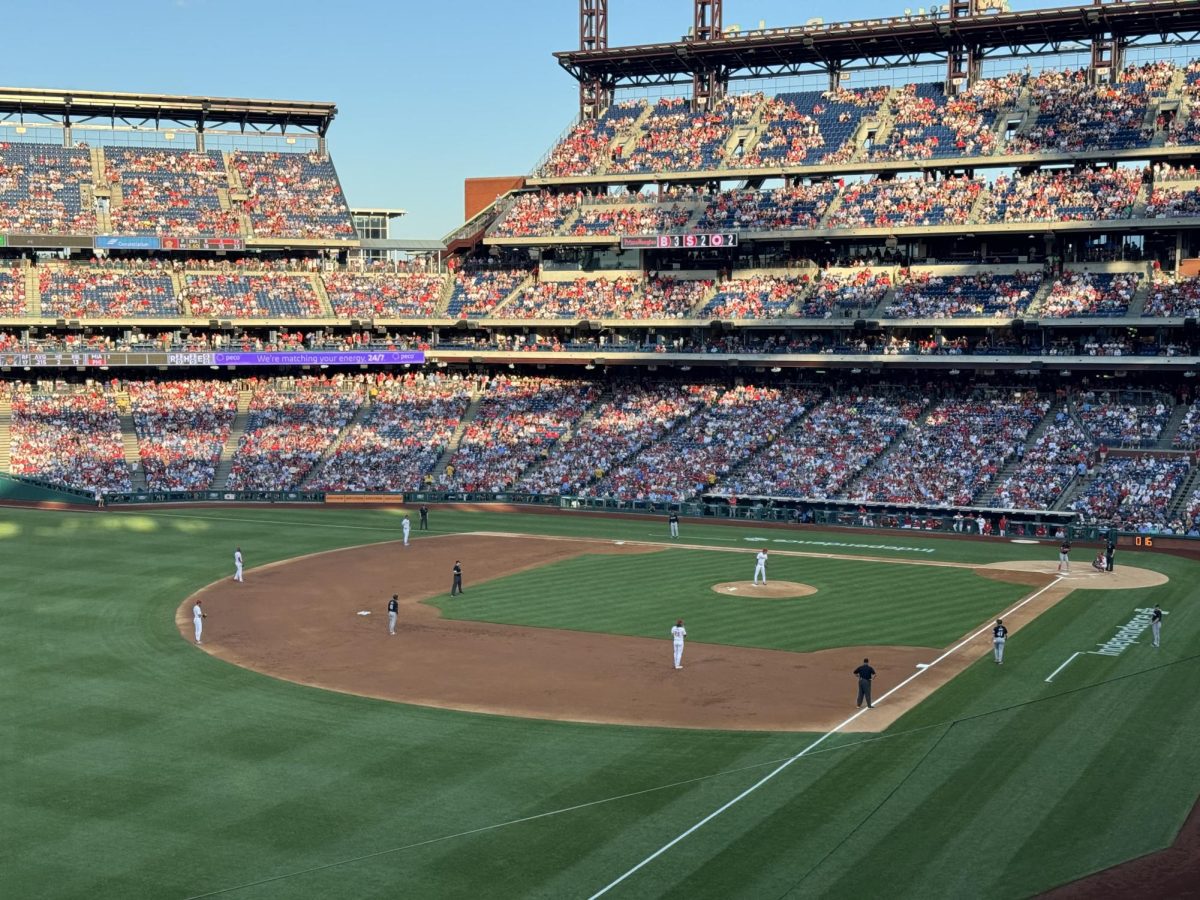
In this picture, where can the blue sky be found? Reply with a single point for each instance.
(428, 93)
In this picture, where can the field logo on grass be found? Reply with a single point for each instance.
(841, 544)
(1127, 634)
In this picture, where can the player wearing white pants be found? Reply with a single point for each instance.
(198, 618)
(1156, 626)
(237, 564)
(673, 521)
(406, 527)
(678, 633)
(999, 636)
(760, 567)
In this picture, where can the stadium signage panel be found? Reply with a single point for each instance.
(204, 243)
(699, 240)
(49, 240)
(331, 358)
(127, 242)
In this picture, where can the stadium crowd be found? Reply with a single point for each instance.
(181, 427)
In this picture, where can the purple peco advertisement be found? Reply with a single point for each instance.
(316, 358)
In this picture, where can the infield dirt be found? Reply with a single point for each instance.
(298, 620)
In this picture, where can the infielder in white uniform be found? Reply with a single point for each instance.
(237, 564)
(198, 617)
(678, 633)
(406, 527)
(760, 566)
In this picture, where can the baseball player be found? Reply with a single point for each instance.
(999, 636)
(678, 633)
(393, 609)
(198, 617)
(760, 566)
(1156, 626)
(456, 587)
(1064, 557)
(864, 673)
(424, 517)
(673, 521)
(237, 564)
(406, 527)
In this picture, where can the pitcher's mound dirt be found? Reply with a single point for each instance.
(774, 590)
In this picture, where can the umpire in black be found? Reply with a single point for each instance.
(424, 517)
(456, 587)
(865, 673)
(1109, 549)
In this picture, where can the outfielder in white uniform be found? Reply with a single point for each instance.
(406, 527)
(678, 633)
(237, 564)
(760, 567)
(198, 617)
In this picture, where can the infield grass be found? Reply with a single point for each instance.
(134, 765)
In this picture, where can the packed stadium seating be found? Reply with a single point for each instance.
(1187, 437)
(1047, 467)
(293, 195)
(292, 423)
(633, 418)
(582, 298)
(694, 455)
(956, 451)
(1173, 203)
(927, 295)
(405, 431)
(1123, 420)
(41, 190)
(928, 124)
(1132, 493)
(265, 295)
(799, 207)
(72, 439)
(641, 218)
(12, 291)
(171, 192)
(906, 202)
(757, 297)
(181, 428)
(585, 150)
(383, 295)
(535, 215)
(820, 455)
(1090, 294)
(519, 421)
(1062, 196)
(1074, 114)
(80, 292)
(477, 294)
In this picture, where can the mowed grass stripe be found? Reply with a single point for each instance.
(643, 595)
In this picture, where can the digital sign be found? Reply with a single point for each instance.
(102, 359)
(699, 241)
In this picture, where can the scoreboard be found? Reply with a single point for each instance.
(695, 240)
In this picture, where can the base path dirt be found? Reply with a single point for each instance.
(298, 620)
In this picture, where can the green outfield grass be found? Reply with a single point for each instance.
(133, 765)
(856, 602)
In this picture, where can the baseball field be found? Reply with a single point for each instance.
(531, 737)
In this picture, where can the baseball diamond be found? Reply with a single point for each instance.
(784, 482)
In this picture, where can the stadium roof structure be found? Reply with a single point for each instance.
(786, 51)
(70, 107)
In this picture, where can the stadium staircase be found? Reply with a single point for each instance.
(628, 138)
(439, 311)
(468, 235)
(883, 125)
(1137, 303)
(877, 463)
(233, 441)
(5, 432)
(1138, 209)
(178, 284)
(979, 209)
(987, 495)
(33, 293)
(129, 443)
(358, 418)
(1178, 506)
(468, 417)
(1166, 440)
(703, 301)
(834, 205)
(879, 310)
(318, 284)
(1039, 299)
(795, 425)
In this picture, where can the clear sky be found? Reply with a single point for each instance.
(428, 93)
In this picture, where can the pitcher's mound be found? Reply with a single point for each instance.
(773, 590)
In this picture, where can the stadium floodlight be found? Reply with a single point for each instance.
(776, 370)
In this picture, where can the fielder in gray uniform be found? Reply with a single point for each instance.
(1156, 626)
(999, 636)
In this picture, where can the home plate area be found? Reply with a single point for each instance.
(774, 590)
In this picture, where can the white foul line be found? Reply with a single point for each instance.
(1063, 666)
(787, 762)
